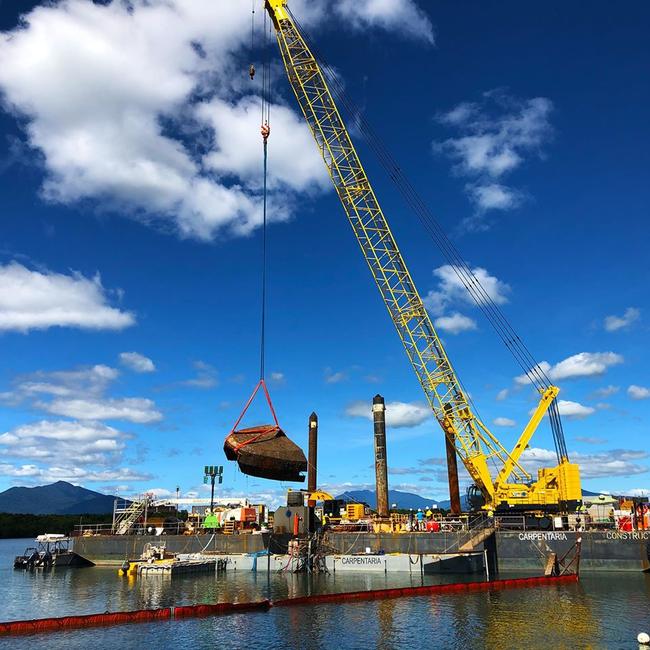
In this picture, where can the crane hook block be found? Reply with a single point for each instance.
(251, 72)
(265, 131)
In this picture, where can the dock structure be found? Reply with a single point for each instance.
(178, 567)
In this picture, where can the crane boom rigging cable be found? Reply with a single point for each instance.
(493, 313)
(467, 277)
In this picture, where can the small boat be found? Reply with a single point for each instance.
(156, 560)
(266, 451)
(52, 550)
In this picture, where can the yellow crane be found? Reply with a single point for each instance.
(556, 488)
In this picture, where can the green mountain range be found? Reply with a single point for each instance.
(60, 498)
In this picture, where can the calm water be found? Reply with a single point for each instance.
(602, 611)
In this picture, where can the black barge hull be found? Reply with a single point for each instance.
(516, 550)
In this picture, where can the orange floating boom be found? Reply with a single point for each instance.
(37, 626)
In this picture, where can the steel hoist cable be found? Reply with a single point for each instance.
(263, 298)
(495, 316)
(265, 130)
(466, 276)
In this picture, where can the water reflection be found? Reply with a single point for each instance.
(602, 611)
(386, 619)
(550, 616)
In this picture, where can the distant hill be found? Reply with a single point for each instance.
(407, 500)
(403, 500)
(464, 503)
(58, 498)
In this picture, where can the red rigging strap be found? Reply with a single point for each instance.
(260, 384)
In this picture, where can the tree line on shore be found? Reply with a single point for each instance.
(16, 526)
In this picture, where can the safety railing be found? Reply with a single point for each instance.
(574, 522)
(88, 530)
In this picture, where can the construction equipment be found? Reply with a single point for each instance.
(556, 488)
(320, 495)
(356, 511)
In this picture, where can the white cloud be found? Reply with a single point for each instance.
(137, 105)
(160, 493)
(398, 414)
(504, 422)
(583, 364)
(493, 196)
(616, 462)
(89, 380)
(206, 376)
(236, 153)
(493, 146)
(80, 443)
(638, 392)
(75, 475)
(451, 290)
(455, 324)
(277, 377)
(137, 362)
(502, 394)
(83, 449)
(42, 299)
(542, 367)
(401, 16)
(132, 409)
(606, 391)
(332, 377)
(495, 137)
(573, 410)
(430, 469)
(638, 492)
(614, 323)
(96, 82)
(459, 115)
(591, 440)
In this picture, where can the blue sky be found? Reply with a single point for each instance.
(130, 175)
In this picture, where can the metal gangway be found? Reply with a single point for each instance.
(127, 513)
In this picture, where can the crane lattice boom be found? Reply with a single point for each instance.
(473, 441)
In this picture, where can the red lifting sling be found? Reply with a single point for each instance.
(264, 450)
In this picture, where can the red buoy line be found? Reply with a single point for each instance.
(401, 592)
(61, 623)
